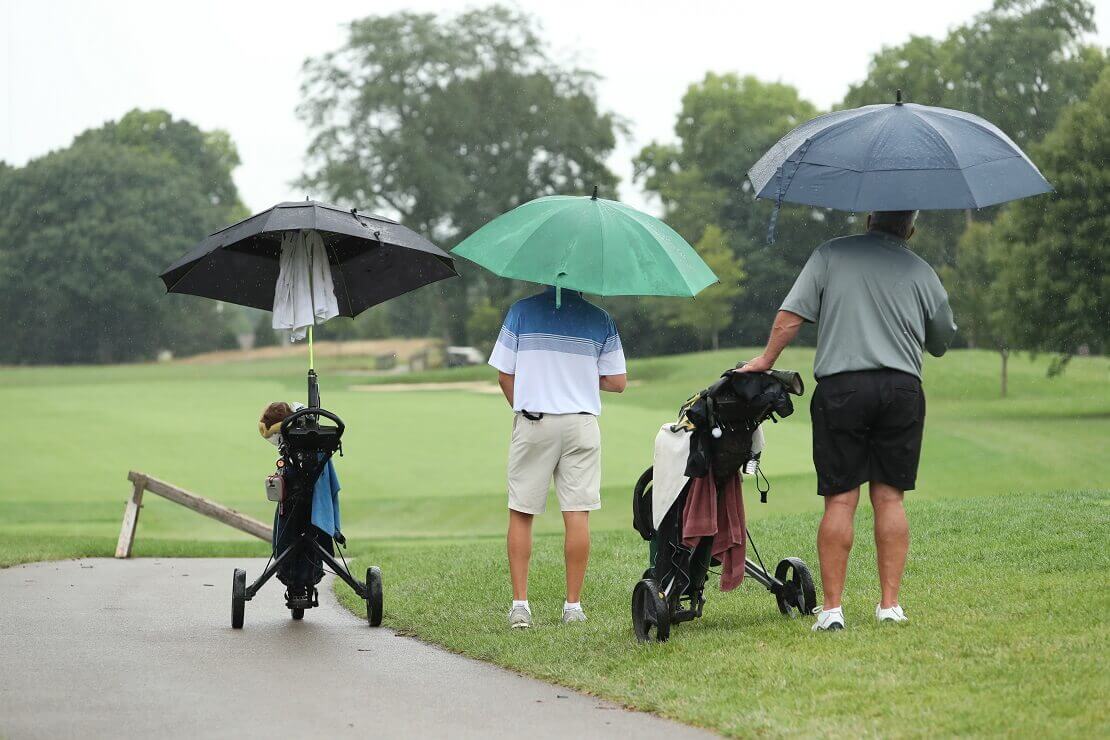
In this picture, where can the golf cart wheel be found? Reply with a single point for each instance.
(297, 614)
(374, 595)
(797, 596)
(651, 614)
(238, 598)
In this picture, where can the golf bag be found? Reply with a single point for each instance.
(721, 421)
(300, 549)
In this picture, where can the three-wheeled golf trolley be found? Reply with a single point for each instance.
(721, 421)
(300, 549)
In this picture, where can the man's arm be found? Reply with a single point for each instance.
(940, 328)
(783, 331)
(614, 383)
(507, 383)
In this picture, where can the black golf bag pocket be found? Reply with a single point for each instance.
(641, 506)
(292, 521)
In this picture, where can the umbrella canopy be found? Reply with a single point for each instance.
(900, 157)
(590, 244)
(372, 258)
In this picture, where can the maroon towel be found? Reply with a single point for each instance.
(720, 515)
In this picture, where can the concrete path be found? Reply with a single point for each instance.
(144, 648)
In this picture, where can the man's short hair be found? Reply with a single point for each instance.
(895, 223)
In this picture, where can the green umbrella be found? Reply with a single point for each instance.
(597, 246)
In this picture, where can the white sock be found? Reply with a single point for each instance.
(834, 610)
(576, 606)
(523, 603)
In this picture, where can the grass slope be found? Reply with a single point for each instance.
(1009, 599)
(427, 465)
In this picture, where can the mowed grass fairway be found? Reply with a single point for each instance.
(1007, 584)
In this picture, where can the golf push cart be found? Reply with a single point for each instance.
(721, 420)
(300, 549)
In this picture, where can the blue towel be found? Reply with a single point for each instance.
(325, 501)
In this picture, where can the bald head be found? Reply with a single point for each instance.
(896, 223)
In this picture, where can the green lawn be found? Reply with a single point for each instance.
(428, 465)
(1009, 600)
(424, 495)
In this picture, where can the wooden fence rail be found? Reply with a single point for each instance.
(143, 482)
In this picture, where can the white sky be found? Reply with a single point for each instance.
(67, 65)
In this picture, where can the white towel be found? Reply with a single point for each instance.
(672, 450)
(304, 294)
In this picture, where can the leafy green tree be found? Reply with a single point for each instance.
(1055, 279)
(209, 155)
(710, 313)
(726, 123)
(483, 324)
(447, 123)
(978, 297)
(1017, 65)
(84, 232)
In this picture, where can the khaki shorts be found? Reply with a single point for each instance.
(564, 446)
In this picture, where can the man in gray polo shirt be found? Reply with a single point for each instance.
(876, 305)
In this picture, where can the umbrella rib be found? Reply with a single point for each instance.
(992, 131)
(194, 266)
(343, 277)
(503, 267)
(909, 169)
(602, 211)
(666, 253)
(939, 133)
(842, 117)
(812, 139)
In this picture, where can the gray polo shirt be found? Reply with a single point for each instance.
(876, 305)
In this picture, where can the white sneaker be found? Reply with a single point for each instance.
(520, 618)
(892, 615)
(828, 620)
(573, 615)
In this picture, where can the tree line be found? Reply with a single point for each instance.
(447, 122)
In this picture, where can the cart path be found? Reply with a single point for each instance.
(144, 648)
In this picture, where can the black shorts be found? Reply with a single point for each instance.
(867, 426)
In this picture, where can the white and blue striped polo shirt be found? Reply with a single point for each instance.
(557, 354)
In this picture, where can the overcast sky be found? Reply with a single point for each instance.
(236, 65)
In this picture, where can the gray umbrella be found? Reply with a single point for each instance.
(900, 157)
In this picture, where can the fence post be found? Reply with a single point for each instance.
(131, 516)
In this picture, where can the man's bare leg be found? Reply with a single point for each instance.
(520, 552)
(892, 539)
(576, 550)
(834, 543)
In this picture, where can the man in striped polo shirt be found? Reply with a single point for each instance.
(554, 355)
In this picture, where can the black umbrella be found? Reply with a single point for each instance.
(373, 259)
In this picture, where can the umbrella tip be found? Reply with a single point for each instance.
(594, 196)
(306, 199)
(898, 96)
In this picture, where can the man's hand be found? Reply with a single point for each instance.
(757, 365)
